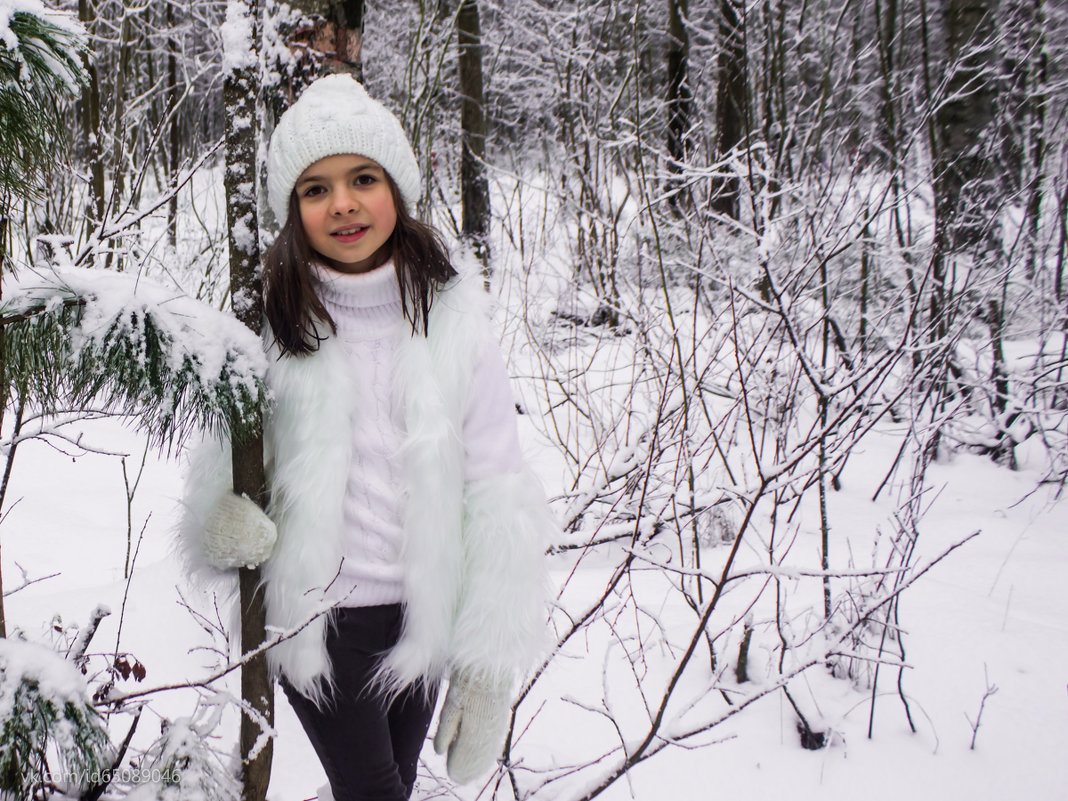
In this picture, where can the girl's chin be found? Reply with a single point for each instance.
(373, 262)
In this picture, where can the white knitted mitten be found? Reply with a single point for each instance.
(238, 533)
(472, 724)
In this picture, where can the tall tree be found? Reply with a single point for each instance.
(679, 97)
(91, 125)
(241, 90)
(731, 101)
(964, 181)
(174, 127)
(338, 33)
(1037, 98)
(474, 185)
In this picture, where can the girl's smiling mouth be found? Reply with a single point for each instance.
(350, 234)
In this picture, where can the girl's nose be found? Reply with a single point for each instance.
(344, 202)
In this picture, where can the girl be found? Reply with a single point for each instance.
(398, 496)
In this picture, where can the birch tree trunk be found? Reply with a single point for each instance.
(240, 91)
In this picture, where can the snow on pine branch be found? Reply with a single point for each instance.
(45, 708)
(37, 41)
(91, 336)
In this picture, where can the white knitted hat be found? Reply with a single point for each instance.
(335, 115)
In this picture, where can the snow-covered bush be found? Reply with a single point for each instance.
(50, 734)
(184, 765)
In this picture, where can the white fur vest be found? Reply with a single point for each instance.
(474, 574)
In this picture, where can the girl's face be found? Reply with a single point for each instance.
(347, 211)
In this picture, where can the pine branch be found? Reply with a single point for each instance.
(43, 66)
(81, 337)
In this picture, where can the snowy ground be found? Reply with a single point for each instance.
(993, 614)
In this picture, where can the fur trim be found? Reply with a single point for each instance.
(433, 376)
(501, 623)
(474, 574)
(209, 479)
(309, 449)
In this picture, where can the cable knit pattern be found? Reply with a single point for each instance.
(366, 308)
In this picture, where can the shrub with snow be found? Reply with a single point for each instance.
(50, 734)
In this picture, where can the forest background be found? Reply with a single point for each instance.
(779, 283)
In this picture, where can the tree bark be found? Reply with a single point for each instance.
(679, 97)
(1037, 99)
(338, 34)
(240, 91)
(173, 155)
(118, 115)
(94, 154)
(731, 102)
(963, 180)
(474, 185)
(964, 195)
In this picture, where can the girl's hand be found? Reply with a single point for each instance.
(472, 724)
(238, 534)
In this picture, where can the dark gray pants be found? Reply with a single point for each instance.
(368, 748)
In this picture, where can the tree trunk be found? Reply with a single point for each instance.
(1037, 99)
(118, 120)
(964, 196)
(173, 155)
(731, 102)
(679, 97)
(964, 192)
(94, 154)
(474, 186)
(240, 91)
(347, 19)
(338, 34)
(118, 116)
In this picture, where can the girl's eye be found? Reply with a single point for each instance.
(364, 179)
(313, 190)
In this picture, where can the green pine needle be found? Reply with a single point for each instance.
(44, 710)
(35, 75)
(99, 339)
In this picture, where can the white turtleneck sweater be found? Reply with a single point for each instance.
(368, 313)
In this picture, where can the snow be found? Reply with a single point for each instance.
(236, 34)
(992, 612)
(55, 677)
(243, 237)
(62, 20)
(9, 8)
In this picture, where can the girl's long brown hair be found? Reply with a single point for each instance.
(295, 312)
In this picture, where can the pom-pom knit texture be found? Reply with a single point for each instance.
(335, 116)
